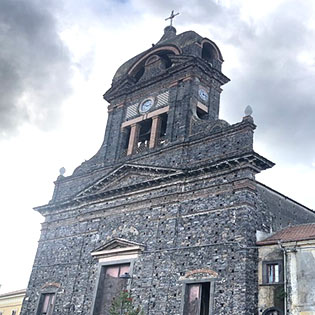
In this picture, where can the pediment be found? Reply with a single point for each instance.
(117, 247)
(127, 176)
(117, 243)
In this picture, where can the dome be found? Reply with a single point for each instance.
(188, 44)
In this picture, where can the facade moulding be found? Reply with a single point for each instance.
(172, 198)
(225, 163)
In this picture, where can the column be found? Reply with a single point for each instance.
(133, 138)
(155, 131)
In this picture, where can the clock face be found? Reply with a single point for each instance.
(146, 105)
(203, 95)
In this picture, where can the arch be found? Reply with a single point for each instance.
(199, 274)
(272, 311)
(137, 69)
(210, 51)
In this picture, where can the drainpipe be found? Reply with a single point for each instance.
(284, 276)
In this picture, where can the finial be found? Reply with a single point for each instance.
(62, 171)
(248, 110)
(171, 17)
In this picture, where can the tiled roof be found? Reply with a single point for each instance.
(293, 233)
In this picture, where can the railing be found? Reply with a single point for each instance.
(144, 146)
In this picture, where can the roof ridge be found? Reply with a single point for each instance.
(13, 292)
(299, 232)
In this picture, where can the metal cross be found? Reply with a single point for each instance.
(171, 17)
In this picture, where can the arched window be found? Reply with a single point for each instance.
(137, 70)
(272, 311)
(162, 56)
(208, 52)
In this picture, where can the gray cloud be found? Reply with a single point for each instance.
(270, 76)
(110, 14)
(196, 11)
(277, 85)
(34, 66)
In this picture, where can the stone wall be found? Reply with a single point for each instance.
(205, 221)
(280, 210)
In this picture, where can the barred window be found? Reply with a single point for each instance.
(272, 272)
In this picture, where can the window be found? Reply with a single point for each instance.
(144, 135)
(272, 272)
(162, 135)
(46, 304)
(197, 299)
(208, 52)
(202, 114)
(125, 139)
(113, 280)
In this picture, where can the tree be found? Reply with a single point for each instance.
(123, 305)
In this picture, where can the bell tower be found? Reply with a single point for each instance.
(162, 96)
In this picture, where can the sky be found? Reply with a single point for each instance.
(57, 59)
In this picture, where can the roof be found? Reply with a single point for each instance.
(300, 232)
(12, 293)
(181, 41)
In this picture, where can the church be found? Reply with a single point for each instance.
(168, 209)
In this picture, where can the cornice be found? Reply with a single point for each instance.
(127, 85)
(250, 160)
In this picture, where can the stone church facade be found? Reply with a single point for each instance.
(169, 207)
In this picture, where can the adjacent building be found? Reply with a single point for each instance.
(169, 207)
(11, 302)
(287, 271)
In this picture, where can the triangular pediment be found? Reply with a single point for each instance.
(128, 176)
(117, 243)
(117, 247)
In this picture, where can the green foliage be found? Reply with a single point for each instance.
(280, 293)
(123, 305)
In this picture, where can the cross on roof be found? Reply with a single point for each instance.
(171, 17)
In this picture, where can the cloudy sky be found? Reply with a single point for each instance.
(57, 58)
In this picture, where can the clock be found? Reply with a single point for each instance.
(203, 95)
(146, 105)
